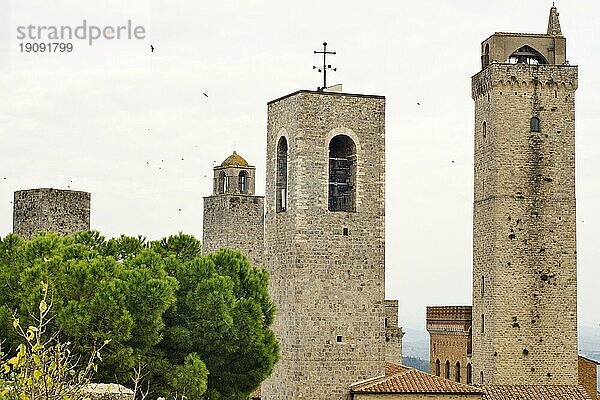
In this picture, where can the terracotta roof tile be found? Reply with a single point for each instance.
(410, 380)
(534, 392)
(392, 368)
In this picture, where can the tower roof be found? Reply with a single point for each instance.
(235, 160)
(553, 22)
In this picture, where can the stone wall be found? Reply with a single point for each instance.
(43, 210)
(327, 268)
(236, 222)
(524, 247)
(393, 333)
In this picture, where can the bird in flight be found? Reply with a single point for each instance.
(151, 48)
(205, 94)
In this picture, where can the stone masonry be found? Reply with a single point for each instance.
(393, 333)
(233, 215)
(44, 210)
(325, 241)
(524, 247)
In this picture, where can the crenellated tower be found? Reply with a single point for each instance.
(524, 244)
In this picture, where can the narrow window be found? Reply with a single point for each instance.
(469, 374)
(386, 322)
(485, 57)
(482, 286)
(281, 183)
(481, 377)
(437, 367)
(535, 124)
(484, 129)
(482, 323)
(222, 184)
(447, 371)
(457, 372)
(243, 182)
(342, 173)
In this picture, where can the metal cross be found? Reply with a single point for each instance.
(325, 66)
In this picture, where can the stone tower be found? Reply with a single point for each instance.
(44, 210)
(324, 241)
(233, 215)
(524, 248)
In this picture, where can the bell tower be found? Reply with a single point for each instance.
(325, 240)
(234, 215)
(524, 244)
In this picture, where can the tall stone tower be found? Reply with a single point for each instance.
(44, 210)
(324, 241)
(524, 247)
(233, 215)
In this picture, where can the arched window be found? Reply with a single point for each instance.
(281, 183)
(222, 183)
(457, 372)
(535, 124)
(447, 371)
(485, 57)
(526, 55)
(437, 367)
(481, 377)
(342, 173)
(243, 182)
(469, 374)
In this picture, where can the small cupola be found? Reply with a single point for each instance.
(234, 176)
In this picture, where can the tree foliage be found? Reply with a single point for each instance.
(199, 324)
(43, 368)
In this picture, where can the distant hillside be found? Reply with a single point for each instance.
(416, 363)
(415, 343)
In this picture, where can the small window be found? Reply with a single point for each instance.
(481, 377)
(243, 182)
(469, 374)
(482, 323)
(457, 372)
(339, 339)
(345, 231)
(535, 124)
(484, 129)
(437, 367)
(482, 286)
(447, 371)
(385, 323)
(281, 183)
(222, 183)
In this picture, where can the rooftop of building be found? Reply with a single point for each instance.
(326, 93)
(401, 379)
(234, 160)
(534, 392)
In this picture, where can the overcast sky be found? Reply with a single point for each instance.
(134, 128)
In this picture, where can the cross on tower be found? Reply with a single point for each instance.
(325, 66)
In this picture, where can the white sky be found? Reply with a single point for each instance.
(105, 118)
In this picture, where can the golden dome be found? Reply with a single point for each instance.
(235, 160)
